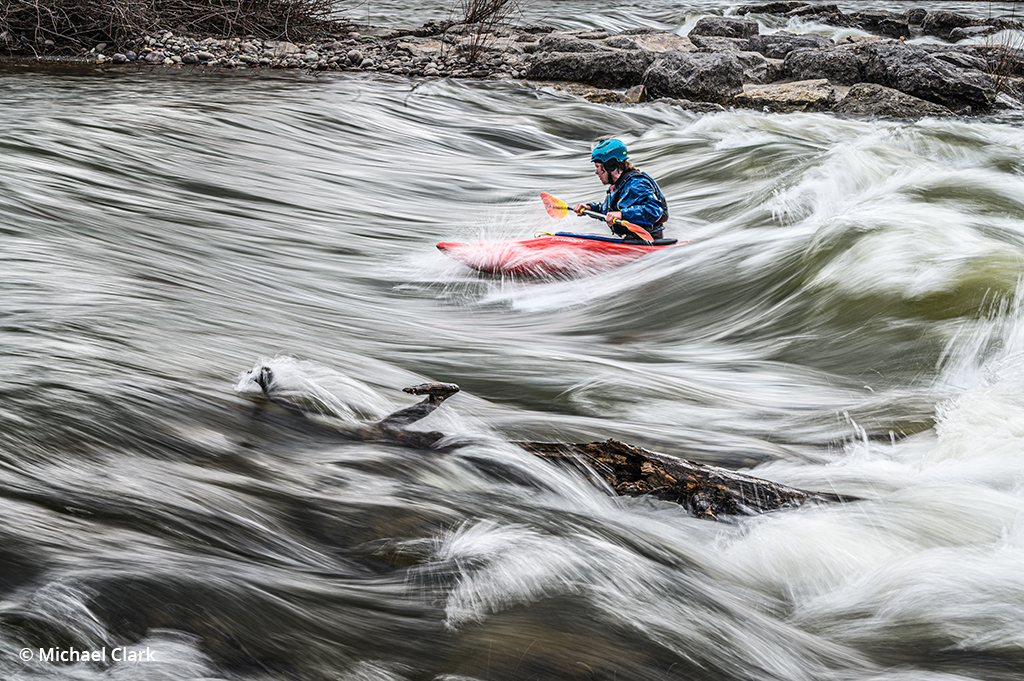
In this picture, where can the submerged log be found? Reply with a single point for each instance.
(705, 491)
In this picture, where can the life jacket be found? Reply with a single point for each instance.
(613, 193)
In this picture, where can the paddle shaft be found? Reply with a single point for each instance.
(601, 216)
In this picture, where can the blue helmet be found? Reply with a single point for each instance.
(609, 150)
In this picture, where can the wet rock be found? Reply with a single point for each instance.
(1010, 93)
(659, 41)
(964, 32)
(870, 99)
(941, 23)
(690, 105)
(912, 70)
(355, 57)
(534, 29)
(814, 10)
(635, 94)
(154, 57)
(591, 94)
(999, 61)
(841, 64)
(962, 60)
(715, 43)
(894, 28)
(916, 16)
(759, 69)
(770, 8)
(881, 22)
(706, 77)
(622, 42)
(205, 56)
(119, 58)
(559, 42)
(726, 27)
(610, 69)
(779, 44)
(808, 95)
(591, 35)
(190, 58)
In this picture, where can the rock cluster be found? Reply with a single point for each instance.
(724, 61)
(402, 51)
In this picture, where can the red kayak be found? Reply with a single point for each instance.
(560, 253)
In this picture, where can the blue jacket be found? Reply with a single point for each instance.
(639, 198)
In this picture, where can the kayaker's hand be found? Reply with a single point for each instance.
(610, 218)
(579, 208)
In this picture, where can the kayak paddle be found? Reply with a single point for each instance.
(558, 209)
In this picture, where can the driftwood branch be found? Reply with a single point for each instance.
(706, 491)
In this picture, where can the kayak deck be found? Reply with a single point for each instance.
(559, 253)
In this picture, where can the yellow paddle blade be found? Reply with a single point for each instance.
(638, 230)
(556, 208)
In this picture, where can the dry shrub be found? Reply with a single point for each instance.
(75, 25)
(481, 18)
(1004, 61)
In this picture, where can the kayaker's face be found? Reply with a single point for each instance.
(602, 174)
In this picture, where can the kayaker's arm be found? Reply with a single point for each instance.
(639, 203)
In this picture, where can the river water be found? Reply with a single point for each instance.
(847, 319)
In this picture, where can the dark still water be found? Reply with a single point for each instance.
(848, 319)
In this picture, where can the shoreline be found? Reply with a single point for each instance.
(724, 62)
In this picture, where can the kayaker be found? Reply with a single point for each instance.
(633, 195)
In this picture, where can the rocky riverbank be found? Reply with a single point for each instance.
(722, 62)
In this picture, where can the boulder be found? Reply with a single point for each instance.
(726, 27)
(882, 22)
(841, 64)
(813, 10)
(716, 43)
(871, 99)
(591, 94)
(962, 60)
(770, 8)
(941, 22)
(661, 41)
(759, 69)
(999, 60)
(706, 77)
(622, 42)
(911, 69)
(690, 105)
(1011, 93)
(894, 28)
(807, 95)
(560, 42)
(963, 32)
(606, 69)
(777, 45)
(916, 16)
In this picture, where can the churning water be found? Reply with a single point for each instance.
(848, 319)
